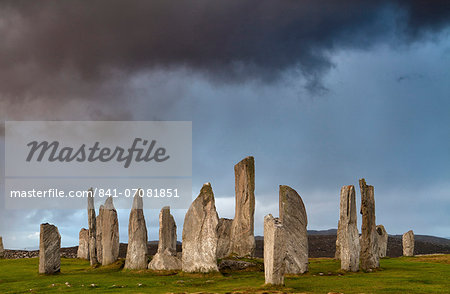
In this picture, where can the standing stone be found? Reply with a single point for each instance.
(369, 248)
(274, 251)
(382, 241)
(348, 237)
(294, 220)
(167, 231)
(166, 257)
(200, 233)
(92, 229)
(408, 243)
(98, 236)
(83, 244)
(2, 250)
(242, 237)
(110, 233)
(137, 236)
(49, 249)
(224, 235)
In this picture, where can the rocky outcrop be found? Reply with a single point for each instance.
(166, 257)
(224, 235)
(294, 220)
(200, 233)
(348, 236)
(408, 243)
(49, 249)
(92, 229)
(98, 235)
(137, 236)
(382, 241)
(368, 241)
(83, 244)
(274, 251)
(242, 240)
(167, 260)
(110, 233)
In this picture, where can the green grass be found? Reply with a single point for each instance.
(396, 275)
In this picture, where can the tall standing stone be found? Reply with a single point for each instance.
(49, 249)
(382, 241)
(92, 229)
(242, 236)
(83, 244)
(166, 257)
(408, 243)
(137, 236)
(224, 235)
(98, 235)
(369, 248)
(274, 251)
(294, 220)
(200, 233)
(110, 233)
(348, 237)
(2, 250)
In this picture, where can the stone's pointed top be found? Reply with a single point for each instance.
(138, 202)
(285, 188)
(409, 232)
(165, 208)
(362, 183)
(247, 160)
(206, 190)
(109, 203)
(275, 220)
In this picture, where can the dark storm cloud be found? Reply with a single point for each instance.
(61, 47)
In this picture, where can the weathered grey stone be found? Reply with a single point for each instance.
(92, 229)
(110, 233)
(200, 233)
(242, 240)
(98, 236)
(2, 250)
(167, 231)
(348, 237)
(137, 236)
(337, 253)
(294, 220)
(166, 257)
(382, 241)
(224, 235)
(83, 244)
(368, 241)
(408, 243)
(167, 260)
(274, 251)
(49, 249)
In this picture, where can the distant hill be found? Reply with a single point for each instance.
(323, 232)
(429, 239)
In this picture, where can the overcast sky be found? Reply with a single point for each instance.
(321, 93)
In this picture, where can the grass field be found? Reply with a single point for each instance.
(423, 274)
